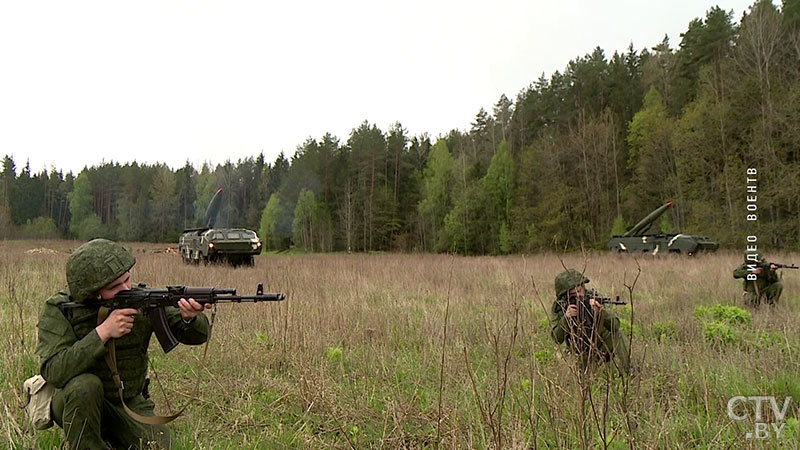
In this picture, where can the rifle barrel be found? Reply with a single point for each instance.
(781, 265)
(608, 300)
(245, 299)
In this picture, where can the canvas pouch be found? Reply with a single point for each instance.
(40, 394)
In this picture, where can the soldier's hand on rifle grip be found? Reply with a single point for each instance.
(597, 306)
(773, 267)
(571, 312)
(190, 308)
(118, 323)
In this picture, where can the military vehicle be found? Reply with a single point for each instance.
(236, 246)
(636, 240)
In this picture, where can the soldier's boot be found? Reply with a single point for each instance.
(77, 408)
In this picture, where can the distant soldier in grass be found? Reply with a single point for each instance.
(73, 344)
(588, 328)
(764, 284)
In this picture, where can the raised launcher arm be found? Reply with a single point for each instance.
(213, 209)
(645, 224)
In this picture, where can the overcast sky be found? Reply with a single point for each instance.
(82, 82)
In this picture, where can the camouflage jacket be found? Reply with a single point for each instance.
(560, 328)
(69, 345)
(763, 280)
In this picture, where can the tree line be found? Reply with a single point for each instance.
(575, 158)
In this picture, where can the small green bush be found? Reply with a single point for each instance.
(719, 332)
(724, 313)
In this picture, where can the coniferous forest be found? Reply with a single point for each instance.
(576, 157)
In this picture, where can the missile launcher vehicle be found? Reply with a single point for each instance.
(236, 246)
(636, 239)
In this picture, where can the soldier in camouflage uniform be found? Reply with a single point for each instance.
(766, 286)
(588, 329)
(72, 349)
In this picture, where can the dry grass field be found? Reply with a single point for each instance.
(396, 351)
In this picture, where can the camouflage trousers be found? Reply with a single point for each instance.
(90, 421)
(770, 295)
(611, 346)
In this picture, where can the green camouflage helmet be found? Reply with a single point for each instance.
(94, 265)
(569, 279)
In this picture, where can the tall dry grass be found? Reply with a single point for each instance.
(427, 351)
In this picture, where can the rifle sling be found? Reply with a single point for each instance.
(111, 360)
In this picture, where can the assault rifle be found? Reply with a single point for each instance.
(153, 301)
(585, 311)
(598, 297)
(608, 300)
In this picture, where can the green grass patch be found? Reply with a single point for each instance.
(723, 313)
(666, 331)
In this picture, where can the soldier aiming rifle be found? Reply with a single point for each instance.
(761, 280)
(86, 329)
(580, 320)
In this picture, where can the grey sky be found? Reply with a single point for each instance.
(83, 82)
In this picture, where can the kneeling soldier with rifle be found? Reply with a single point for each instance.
(761, 281)
(86, 329)
(578, 317)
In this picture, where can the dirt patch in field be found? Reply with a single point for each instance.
(41, 251)
(170, 250)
